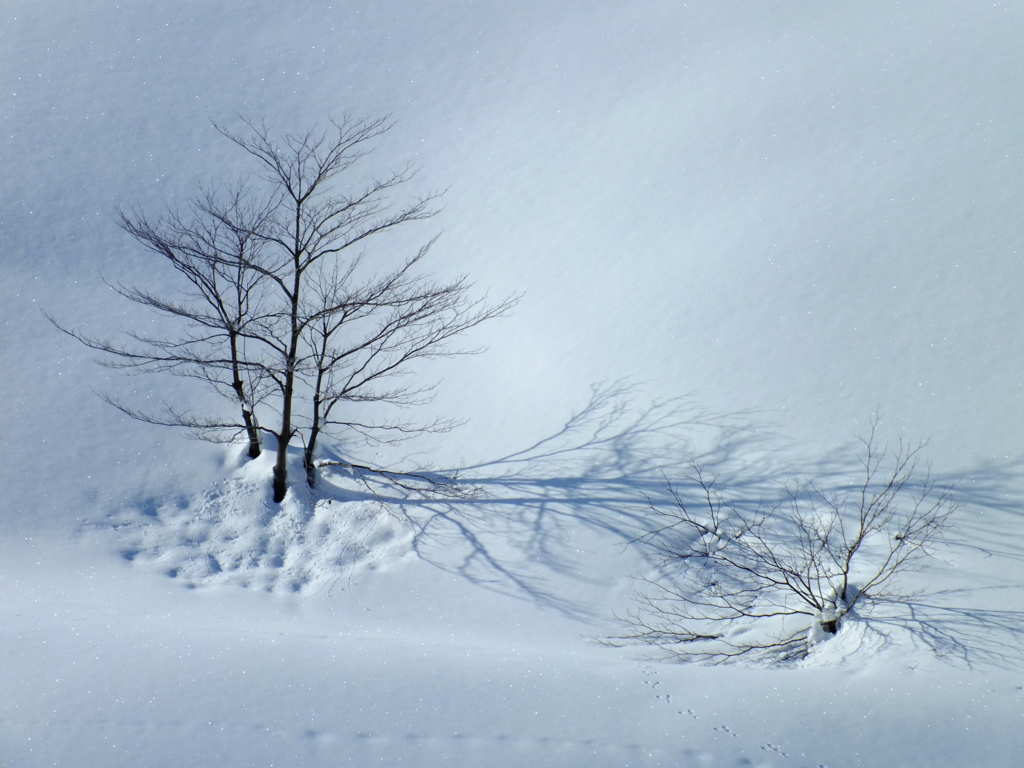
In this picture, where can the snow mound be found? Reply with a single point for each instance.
(854, 644)
(235, 534)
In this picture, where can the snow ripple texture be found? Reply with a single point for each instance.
(235, 534)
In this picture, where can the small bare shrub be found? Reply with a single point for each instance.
(767, 582)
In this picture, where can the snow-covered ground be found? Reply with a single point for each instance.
(793, 214)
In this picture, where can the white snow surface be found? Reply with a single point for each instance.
(741, 230)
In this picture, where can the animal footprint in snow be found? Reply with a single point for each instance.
(648, 672)
(774, 748)
(689, 712)
(667, 697)
(725, 729)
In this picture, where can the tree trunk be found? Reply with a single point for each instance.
(252, 433)
(287, 392)
(310, 469)
(307, 457)
(281, 473)
(314, 433)
(239, 386)
(831, 626)
(283, 438)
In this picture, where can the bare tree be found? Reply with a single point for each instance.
(397, 319)
(769, 582)
(217, 300)
(286, 310)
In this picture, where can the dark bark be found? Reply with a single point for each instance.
(252, 433)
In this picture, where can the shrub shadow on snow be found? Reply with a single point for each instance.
(953, 628)
(973, 626)
(993, 507)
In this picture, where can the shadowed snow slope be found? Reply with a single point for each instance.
(798, 213)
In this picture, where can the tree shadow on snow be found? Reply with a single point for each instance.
(531, 523)
(545, 523)
(560, 522)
